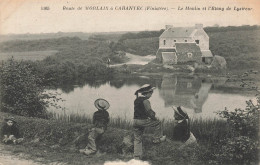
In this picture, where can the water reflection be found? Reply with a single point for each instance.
(117, 83)
(189, 92)
(200, 96)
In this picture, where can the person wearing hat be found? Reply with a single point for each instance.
(144, 117)
(182, 131)
(100, 121)
(10, 131)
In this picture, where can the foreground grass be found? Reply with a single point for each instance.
(206, 130)
(52, 141)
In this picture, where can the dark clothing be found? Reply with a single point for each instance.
(144, 117)
(139, 109)
(10, 130)
(181, 131)
(142, 109)
(101, 119)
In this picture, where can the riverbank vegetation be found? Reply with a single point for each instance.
(75, 61)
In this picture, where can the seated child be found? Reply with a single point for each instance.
(182, 131)
(10, 132)
(100, 121)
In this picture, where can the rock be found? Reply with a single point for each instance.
(63, 141)
(127, 145)
(81, 141)
(55, 146)
(168, 66)
(191, 68)
(219, 62)
(58, 163)
(73, 149)
(36, 140)
(144, 77)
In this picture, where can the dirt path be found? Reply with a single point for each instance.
(7, 158)
(135, 59)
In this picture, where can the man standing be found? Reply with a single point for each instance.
(144, 117)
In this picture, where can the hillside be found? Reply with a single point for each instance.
(143, 46)
(238, 45)
(240, 48)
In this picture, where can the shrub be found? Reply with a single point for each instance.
(244, 122)
(239, 150)
(21, 92)
(242, 147)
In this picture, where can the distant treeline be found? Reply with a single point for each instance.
(151, 34)
(231, 28)
(142, 34)
(107, 36)
(28, 36)
(39, 45)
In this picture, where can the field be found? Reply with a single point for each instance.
(29, 55)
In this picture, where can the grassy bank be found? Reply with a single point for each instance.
(206, 130)
(54, 141)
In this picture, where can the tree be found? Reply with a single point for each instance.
(21, 90)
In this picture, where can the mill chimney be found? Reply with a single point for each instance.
(168, 26)
(199, 26)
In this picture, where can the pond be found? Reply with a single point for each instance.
(171, 90)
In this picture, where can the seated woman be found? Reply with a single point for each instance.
(182, 131)
(10, 132)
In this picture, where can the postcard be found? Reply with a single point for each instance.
(116, 67)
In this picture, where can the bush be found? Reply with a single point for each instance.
(239, 150)
(244, 122)
(21, 92)
(242, 147)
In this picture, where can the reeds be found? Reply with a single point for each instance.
(205, 130)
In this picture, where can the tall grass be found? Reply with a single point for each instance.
(205, 130)
(71, 118)
(209, 130)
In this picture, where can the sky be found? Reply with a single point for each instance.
(27, 16)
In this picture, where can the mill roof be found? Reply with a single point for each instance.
(187, 47)
(178, 32)
(206, 53)
(160, 50)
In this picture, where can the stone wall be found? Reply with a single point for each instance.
(203, 38)
(183, 57)
(170, 42)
